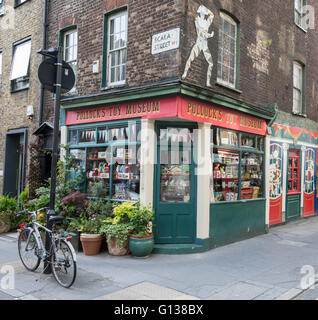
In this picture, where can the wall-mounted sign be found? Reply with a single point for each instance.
(165, 41)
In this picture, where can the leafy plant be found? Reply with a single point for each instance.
(73, 204)
(99, 208)
(90, 226)
(73, 224)
(8, 207)
(123, 212)
(120, 231)
(142, 219)
(97, 189)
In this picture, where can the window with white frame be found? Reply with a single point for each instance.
(299, 13)
(226, 73)
(2, 7)
(117, 48)
(0, 62)
(20, 65)
(298, 89)
(70, 51)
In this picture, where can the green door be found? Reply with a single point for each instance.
(293, 185)
(175, 189)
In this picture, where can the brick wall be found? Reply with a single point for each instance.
(270, 41)
(16, 24)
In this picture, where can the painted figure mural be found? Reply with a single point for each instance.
(202, 23)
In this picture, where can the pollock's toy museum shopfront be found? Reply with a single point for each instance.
(200, 163)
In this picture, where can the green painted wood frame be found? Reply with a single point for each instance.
(193, 180)
(294, 197)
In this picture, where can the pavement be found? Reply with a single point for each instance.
(279, 265)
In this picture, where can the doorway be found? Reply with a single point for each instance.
(175, 185)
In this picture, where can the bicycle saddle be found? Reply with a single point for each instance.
(56, 219)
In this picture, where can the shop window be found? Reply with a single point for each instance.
(226, 72)
(175, 177)
(251, 176)
(20, 65)
(114, 168)
(225, 175)
(126, 174)
(309, 170)
(237, 173)
(70, 52)
(117, 48)
(293, 171)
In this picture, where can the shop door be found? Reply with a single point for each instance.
(309, 189)
(175, 190)
(293, 186)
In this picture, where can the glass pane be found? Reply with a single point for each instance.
(251, 176)
(176, 135)
(101, 135)
(224, 184)
(72, 138)
(248, 140)
(118, 134)
(229, 138)
(88, 135)
(175, 179)
(98, 172)
(126, 173)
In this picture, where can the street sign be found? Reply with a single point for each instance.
(47, 75)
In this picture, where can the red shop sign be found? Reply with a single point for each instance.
(220, 117)
(170, 107)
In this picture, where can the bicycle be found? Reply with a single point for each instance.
(61, 255)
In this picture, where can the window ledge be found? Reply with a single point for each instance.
(113, 86)
(18, 90)
(300, 27)
(228, 87)
(299, 114)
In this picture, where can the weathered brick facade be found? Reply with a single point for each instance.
(269, 43)
(18, 23)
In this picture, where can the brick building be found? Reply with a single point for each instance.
(21, 36)
(232, 83)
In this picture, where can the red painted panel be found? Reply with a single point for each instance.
(159, 108)
(309, 204)
(275, 211)
(220, 117)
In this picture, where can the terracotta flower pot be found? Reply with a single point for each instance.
(114, 250)
(91, 243)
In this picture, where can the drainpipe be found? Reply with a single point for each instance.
(45, 9)
(273, 119)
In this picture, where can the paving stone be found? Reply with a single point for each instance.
(290, 294)
(239, 291)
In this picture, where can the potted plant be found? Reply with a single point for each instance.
(8, 207)
(91, 238)
(73, 226)
(141, 241)
(118, 229)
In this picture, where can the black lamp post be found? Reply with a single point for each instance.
(56, 53)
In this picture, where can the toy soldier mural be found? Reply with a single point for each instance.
(202, 23)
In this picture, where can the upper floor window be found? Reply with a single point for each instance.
(0, 62)
(2, 7)
(226, 73)
(70, 51)
(20, 65)
(298, 107)
(18, 2)
(300, 13)
(117, 48)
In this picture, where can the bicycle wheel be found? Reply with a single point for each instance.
(64, 263)
(28, 249)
